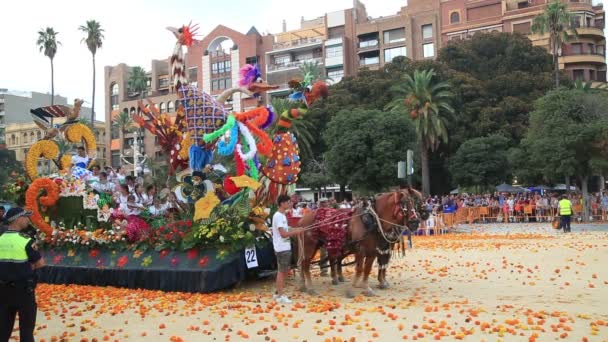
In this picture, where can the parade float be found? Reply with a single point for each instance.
(223, 230)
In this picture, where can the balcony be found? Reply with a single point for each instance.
(366, 62)
(296, 44)
(368, 45)
(583, 57)
(593, 30)
(334, 41)
(270, 68)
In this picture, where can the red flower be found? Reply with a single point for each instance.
(174, 261)
(203, 261)
(57, 259)
(192, 253)
(94, 253)
(164, 253)
(122, 261)
(189, 223)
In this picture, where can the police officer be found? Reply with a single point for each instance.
(565, 213)
(18, 260)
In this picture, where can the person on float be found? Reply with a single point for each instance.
(122, 196)
(19, 258)
(104, 186)
(80, 162)
(149, 195)
(130, 182)
(139, 193)
(94, 176)
(121, 175)
(158, 208)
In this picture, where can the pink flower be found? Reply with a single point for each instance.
(174, 261)
(122, 261)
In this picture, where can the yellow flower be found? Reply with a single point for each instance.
(78, 132)
(245, 182)
(204, 206)
(41, 149)
(186, 143)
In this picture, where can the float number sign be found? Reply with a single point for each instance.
(250, 257)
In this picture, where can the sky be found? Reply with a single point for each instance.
(134, 34)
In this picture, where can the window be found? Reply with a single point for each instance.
(220, 67)
(394, 36)
(192, 74)
(13, 140)
(591, 48)
(427, 31)
(454, 17)
(24, 138)
(335, 75)
(282, 59)
(163, 107)
(577, 48)
(428, 50)
(163, 82)
(369, 61)
(389, 54)
(228, 83)
(170, 107)
(222, 84)
(334, 51)
(114, 89)
(251, 60)
(214, 85)
(214, 68)
(115, 158)
(523, 28)
(592, 75)
(600, 50)
(39, 135)
(228, 66)
(368, 43)
(578, 74)
(114, 132)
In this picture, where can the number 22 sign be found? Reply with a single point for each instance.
(250, 257)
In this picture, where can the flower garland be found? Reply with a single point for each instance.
(78, 132)
(250, 141)
(49, 199)
(44, 148)
(65, 162)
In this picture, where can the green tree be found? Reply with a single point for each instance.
(47, 43)
(556, 21)
(365, 146)
(124, 123)
(481, 161)
(138, 81)
(10, 166)
(567, 134)
(94, 40)
(425, 99)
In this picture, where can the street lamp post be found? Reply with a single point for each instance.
(138, 158)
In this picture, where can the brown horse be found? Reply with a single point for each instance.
(368, 231)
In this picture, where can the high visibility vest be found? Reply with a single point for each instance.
(12, 247)
(565, 207)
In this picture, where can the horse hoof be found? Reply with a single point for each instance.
(369, 293)
(341, 279)
(383, 286)
(334, 282)
(350, 294)
(312, 292)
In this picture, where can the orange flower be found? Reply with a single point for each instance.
(48, 200)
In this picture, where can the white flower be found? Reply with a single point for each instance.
(221, 238)
(251, 227)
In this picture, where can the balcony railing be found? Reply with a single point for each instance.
(291, 65)
(369, 61)
(601, 76)
(296, 43)
(583, 53)
(368, 44)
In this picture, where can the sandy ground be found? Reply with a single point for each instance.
(510, 285)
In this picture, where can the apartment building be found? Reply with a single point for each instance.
(20, 137)
(583, 57)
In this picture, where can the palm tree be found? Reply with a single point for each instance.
(314, 69)
(47, 43)
(138, 81)
(556, 20)
(426, 100)
(301, 128)
(124, 123)
(94, 39)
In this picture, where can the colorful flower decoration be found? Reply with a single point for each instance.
(41, 149)
(204, 206)
(46, 192)
(65, 162)
(80, 132)
(244, 181)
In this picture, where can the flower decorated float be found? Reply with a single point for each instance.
(222, 221)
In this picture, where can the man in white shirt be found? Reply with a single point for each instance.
(282, 246)
(103, 185)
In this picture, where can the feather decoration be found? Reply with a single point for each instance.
(225, 149)
(270, 118)
(249, 74)
(250, 141)
(230, 123)
(296, 97)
